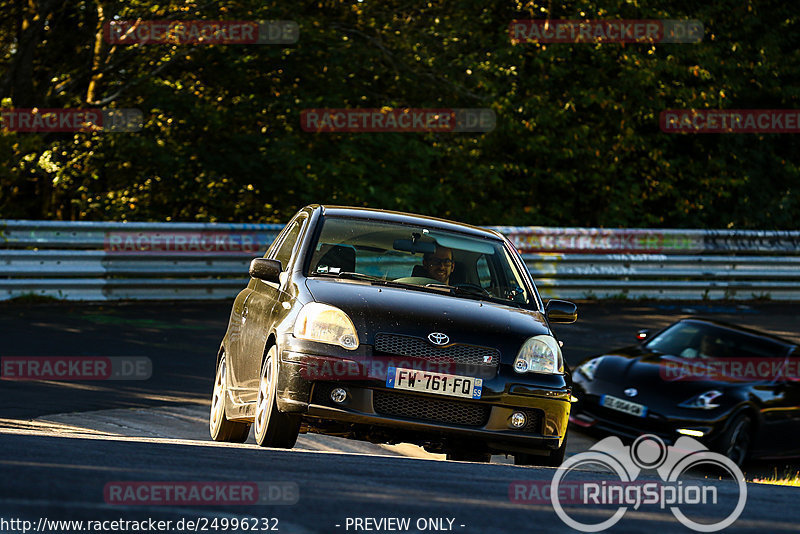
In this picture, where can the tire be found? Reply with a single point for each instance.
(220, 427)
(554, 459)
(735, 442)
(469, 456)
(272, 427)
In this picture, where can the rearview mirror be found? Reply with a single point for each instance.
(561, 311)
(416, 247)
(266, 270)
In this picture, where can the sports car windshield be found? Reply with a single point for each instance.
(705, 341)
(417, 257)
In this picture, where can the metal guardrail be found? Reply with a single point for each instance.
(651, 263)
(108, 261)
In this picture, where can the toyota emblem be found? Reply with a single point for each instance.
(631, 392)
(437, 338)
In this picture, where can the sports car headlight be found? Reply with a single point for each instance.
(588, 369)
(539, 354)
(326, 324)
(704, 401)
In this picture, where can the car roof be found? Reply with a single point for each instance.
(409, 218)
(741, 329)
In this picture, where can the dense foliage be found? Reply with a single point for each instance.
(577, 141)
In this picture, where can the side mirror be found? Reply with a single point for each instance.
(641, 335)
(561, 311)
(266, 270)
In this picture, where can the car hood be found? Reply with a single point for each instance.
(375, 308)
(653, 375)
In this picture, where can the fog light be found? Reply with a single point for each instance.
(518, 419)
(338, 395)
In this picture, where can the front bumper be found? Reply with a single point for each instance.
(545, 399)
(589, 415)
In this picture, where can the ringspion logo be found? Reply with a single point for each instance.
(687, 498)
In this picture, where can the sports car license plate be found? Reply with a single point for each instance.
(438, 383)
(621, 405)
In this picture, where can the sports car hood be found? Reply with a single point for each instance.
(650, 373)
(375, 308)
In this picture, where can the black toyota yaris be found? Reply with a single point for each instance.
(391, 327)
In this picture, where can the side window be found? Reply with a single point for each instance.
(284, 251)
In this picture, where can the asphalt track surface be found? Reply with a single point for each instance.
(64, 442)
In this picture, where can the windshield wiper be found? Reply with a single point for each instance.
(351, 275)
(475, 292)
(360, 276)
(461, 290)
(364, 277)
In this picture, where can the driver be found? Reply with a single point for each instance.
(707, 349)
(439, 265)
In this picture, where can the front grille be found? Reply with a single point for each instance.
(426, 409)
(420, 348)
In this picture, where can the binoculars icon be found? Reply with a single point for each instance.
(648, 452)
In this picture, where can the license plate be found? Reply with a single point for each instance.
(621, 405)
(438, 383)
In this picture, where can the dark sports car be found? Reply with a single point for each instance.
(392, 327)
(733, 388)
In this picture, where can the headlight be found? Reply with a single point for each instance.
(588, 369)
(704, 401)
(539, 354)
(326, 324)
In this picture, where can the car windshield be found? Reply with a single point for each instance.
(422, 258)
(689, 339)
